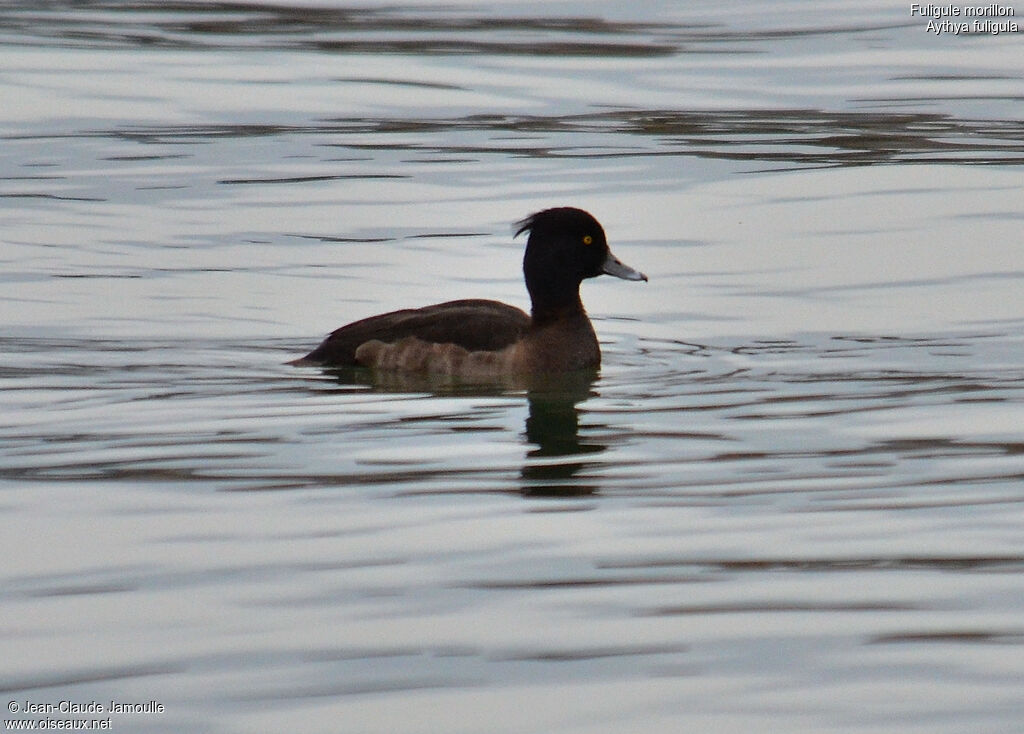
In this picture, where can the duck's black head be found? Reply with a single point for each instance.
(566, 245)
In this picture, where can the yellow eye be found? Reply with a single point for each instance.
(587, 239)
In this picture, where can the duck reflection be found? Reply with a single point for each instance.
(553, 426)
(554, 466)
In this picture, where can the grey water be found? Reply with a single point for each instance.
(791, 501)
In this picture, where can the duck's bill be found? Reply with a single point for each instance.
(614, 266)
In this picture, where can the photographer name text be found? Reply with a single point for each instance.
(89, 707)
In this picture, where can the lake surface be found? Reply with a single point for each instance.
(792, 501)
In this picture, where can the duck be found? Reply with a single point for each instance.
(485, 338)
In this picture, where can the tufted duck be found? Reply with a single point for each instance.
(486, 338)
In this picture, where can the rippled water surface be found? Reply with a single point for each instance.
(790, 502)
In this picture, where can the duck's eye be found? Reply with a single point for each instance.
(587, 239)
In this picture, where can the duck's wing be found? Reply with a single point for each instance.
(474, 324)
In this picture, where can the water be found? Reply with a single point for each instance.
(791, 501)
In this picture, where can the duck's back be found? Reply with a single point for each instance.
(474, 324)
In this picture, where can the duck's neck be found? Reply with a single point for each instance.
(548, 309)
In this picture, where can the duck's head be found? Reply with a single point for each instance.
(566, 246)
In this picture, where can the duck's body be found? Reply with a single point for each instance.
(479, 337)
(474, 324)
(564, 345)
